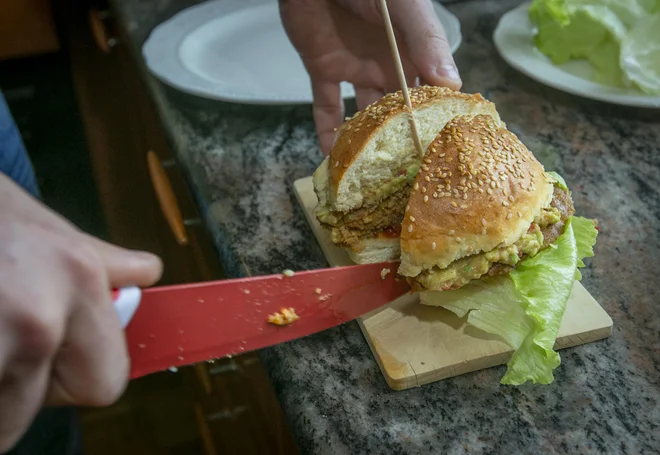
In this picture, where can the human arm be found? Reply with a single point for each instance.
(61, 342)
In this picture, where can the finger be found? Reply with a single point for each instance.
(426, 41)
(328, 112)
(31, 330)
(366, 96)
(91, 366)
(22, 391)
(409, 71)
(127, 267)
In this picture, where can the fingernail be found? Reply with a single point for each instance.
(144, 256)
(450, 72)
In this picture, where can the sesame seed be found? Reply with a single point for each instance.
(435, 195)
(511, 198)
(336, 163)
(416, 186)
(433, 245)
(464, 206)
(410, 228)
(483, 231)
(489, 191)
(483, 221)
(427, 178)
(426, 198)
(451, 232)
(412, 218)
(454, 204)
(492, 184)
(509, 216)
(519, 215)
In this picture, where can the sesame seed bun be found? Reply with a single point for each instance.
(479, 187)
(376, 145)
(376, 249)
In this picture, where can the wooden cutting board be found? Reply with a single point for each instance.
(416, 344)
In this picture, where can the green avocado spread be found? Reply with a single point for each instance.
(472, 267)
(374, 196)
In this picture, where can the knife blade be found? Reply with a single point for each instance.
(171, 326)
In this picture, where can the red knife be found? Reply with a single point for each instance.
(171, 326)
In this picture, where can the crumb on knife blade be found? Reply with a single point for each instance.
(286, 316)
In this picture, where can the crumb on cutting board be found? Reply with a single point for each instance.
(384, 273)
(288, 273)
(286, 316)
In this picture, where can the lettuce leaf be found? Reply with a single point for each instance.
(525, 309)
(559, 180)
(603, 33)
(581, 31)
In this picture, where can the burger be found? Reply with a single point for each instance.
(480, 205)
(364, 184)
(479, 226)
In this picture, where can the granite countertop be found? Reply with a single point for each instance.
(241, 162)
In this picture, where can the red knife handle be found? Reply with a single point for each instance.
(126, 302)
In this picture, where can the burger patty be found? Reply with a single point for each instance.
(369, 221)
(562, 201)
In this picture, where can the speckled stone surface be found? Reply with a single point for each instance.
(241, 162)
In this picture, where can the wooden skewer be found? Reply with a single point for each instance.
(402, 77)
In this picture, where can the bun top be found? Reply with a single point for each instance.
(375, 145)
(478, 187)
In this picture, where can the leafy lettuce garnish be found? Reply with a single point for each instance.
(525, 308)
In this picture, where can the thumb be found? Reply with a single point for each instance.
(127, 267)
(426, 42)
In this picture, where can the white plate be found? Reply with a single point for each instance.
(237, 50)
(513, 40)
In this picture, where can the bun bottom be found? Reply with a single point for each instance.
(376, 250)
(431, 298)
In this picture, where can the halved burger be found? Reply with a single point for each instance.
(363, 186)
(488, 233)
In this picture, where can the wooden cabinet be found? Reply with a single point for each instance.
(26, 28)
(229, 403)
(122, 128)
